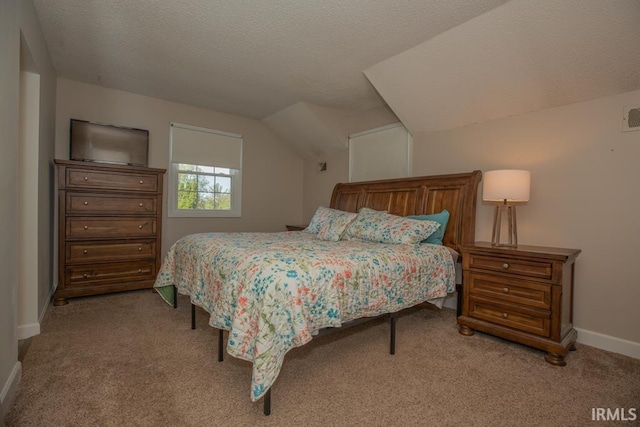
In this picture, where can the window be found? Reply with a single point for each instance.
(205, 173)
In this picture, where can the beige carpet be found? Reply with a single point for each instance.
(130, 359)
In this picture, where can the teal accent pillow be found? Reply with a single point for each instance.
(441, 218)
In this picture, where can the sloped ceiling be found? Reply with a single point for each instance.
(306, 131)
(252, 58)
(437, 64)
(520, 57)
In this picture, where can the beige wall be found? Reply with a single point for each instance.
(584, 186)
(9, 99)
(27, 199)
(585, 173)
(19, 18)
(318, 186)
(272, 188)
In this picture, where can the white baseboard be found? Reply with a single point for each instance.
(32, 329)
(609, 343)
(594, 339)
(10, 387)
(46, 306)
(28, 331)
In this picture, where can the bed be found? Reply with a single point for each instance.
(275, 291)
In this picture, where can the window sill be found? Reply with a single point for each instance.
(204, 214)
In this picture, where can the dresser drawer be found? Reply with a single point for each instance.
(110, 180)
(102, 274)
(81, 252)
(82, 203)
(97, 227)
(510, 290)
(517, 317)
(536, 269)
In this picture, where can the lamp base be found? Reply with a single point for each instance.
(507, 212)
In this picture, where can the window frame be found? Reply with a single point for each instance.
(173, 182)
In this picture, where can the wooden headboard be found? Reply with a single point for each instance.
(417, 196)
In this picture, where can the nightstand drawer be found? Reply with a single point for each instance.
(541, 270)
(510, 290)
(521, 318)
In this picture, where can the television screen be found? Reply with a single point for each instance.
(95, 142)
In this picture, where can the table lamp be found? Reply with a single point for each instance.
(507, 186)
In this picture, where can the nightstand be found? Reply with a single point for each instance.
(295, 227)
(522, 294)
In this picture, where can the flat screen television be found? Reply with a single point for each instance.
(102, 143)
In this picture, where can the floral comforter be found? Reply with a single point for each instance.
(274, 291)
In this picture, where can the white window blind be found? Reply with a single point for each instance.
(380, 153)
(205, 174)
(199, 146)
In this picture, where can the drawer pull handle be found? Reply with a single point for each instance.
(86, 178)
(505, 266)
(86, 227)
(139, 249)
(505, 290)
(86, 203)
(140, 181)
(139, 270)
(140, 204)
(85, 275)
(85, 251)
(140, 226)
(505, 315)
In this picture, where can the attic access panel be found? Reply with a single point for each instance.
(380, 153)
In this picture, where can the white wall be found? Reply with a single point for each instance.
(272, 188)
(16, 18)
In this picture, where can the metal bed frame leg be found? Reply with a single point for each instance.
(392, 346)
(175, 297)
(267, 403)
(193, 316)
(220, 343)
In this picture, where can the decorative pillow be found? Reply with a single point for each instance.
(383, 227)
(441, 218)
(332, 220)
(320, 217)
(349, 232)
(334, 227)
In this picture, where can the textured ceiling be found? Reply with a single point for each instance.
(303, 66)
(252, 58)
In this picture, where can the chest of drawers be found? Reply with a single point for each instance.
(109, 228)
(523, 294)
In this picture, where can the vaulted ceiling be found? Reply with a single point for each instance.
(295, 64)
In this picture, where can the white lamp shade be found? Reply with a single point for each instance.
(508, 184)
